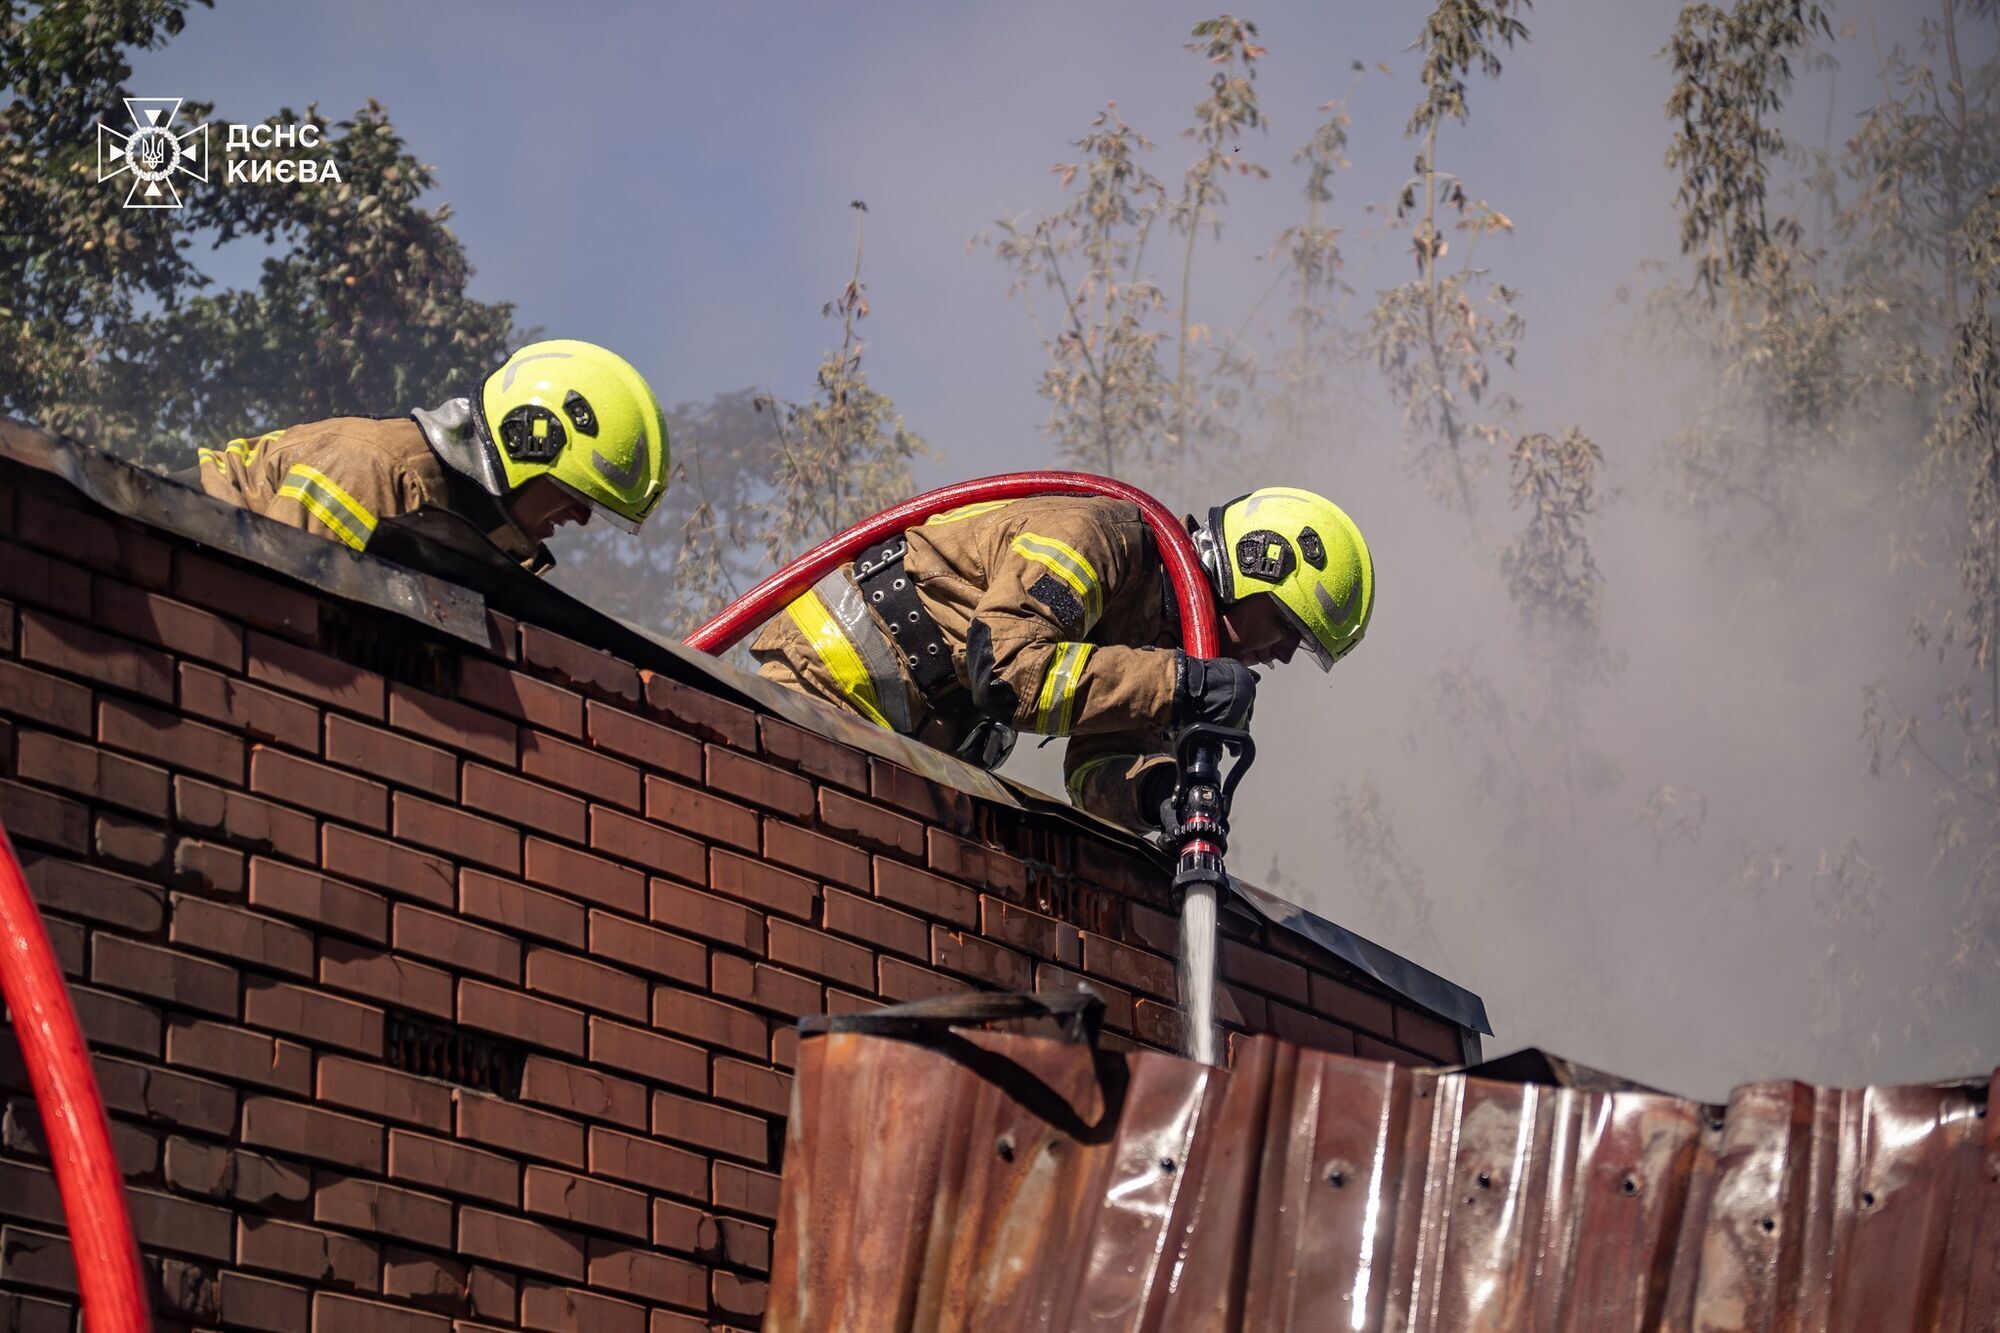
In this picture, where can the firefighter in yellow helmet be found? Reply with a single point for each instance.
(1054, 615)
(563, 431)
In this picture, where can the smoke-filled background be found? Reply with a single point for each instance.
(1676, 736)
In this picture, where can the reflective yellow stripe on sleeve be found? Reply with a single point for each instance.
(1055, 709)
(835, 649)
(327, 502)
(1083, 771)
(1067, 564)
(973, 510)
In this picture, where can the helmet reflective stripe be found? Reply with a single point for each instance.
(1056, 708)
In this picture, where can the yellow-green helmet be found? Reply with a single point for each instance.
(1301, 549)
(583, 417)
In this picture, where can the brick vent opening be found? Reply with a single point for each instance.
(436, 1050)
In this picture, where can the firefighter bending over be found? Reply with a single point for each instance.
(1055, 615)
(562, 431)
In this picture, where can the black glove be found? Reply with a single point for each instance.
(1217, 690)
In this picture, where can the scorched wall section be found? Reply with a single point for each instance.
(428, 984)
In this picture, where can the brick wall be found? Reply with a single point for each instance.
(428, 985)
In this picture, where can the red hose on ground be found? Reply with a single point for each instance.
(721, 633)
(79, 1138)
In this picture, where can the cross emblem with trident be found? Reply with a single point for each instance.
(153, 153)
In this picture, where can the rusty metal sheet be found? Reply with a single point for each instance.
(997, 1181)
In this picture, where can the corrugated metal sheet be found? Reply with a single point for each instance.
(987, 1181)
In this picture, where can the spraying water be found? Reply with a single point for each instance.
(1197, 972)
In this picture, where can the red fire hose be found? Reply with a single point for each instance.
(1200, 843)
(87, 1175)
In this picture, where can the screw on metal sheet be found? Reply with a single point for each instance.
(1769, 1225)
(1336, 1177)
(1868, 1199)
(1628, 1186)
(1485, 1180)
(1167, 1165)
(1005, 1147)
(1715, 1123)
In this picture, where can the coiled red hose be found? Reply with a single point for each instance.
(79, 1137)
(721, 632)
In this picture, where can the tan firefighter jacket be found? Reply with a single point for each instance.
(339, 478)
(1059, 620)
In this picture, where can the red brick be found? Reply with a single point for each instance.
(519, 1131)
(52, 761)
(760, 784)
(1368, 1048)
(1099, 863)
(1152, 928)
(258, 1303)
(449, 830)
(699, 1018)
(150, 1093)
(53, 702)
(175, 978)
(970, 956)
(585, 1092)
(761, 1089)
(647, 1054)
(581, 875)
(242, 595)
(813, 754)
(96, 894)
(520, 1017)
(519, 1243)
(591, 668)
(862, 821)
(1245, 1009)
(260, 713)
(397, 982)
(1304, 1029)
(1358, 1009)
(745, 1190)
(1129, 967)
(425, 1280)
(589, 985)
(923, 892)
(649, 743)
(647, 1162)
(648, 844)
(696, 812)
(212, 868)
(819, 856)
(458, 944)
(654, 1277)
(382, 864)
(171, 740)
(810, 950)
(737, 1296)
(866, 919)
(523, 697)
(766, 987)
(79, 538)
(369, 1205)
(653, 951)
(324, 903)
(730, 1239)
(77, 650)
(580, 770)
(36, 816)
(694, 709)
(930, 802)
(450, 723)
(1043, 936)
(381, 1091)
(584, 1202)
(1427, 1035)
(1258, 970)
(519, 801)
(231, 932)
(901, 981)
(21, 1313)
(314, 675)
(308, 1252)
(706, 1125)
(334, 1313)
(453, 1168)
(755, 882)
(708, 916)
(239, 1055)
(1117, 1002)
(36, 1259)
(327, 791)
(182, 630)
(129, 842)
(313, 1016)
(258, 825)
(964, 860)
(493, 1295)
(310, 1131)
(566, 1310)
(67, 940)
(390, 757)
(521, 909)
(1157, 1023)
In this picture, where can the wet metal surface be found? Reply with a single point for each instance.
(1000, 1182)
